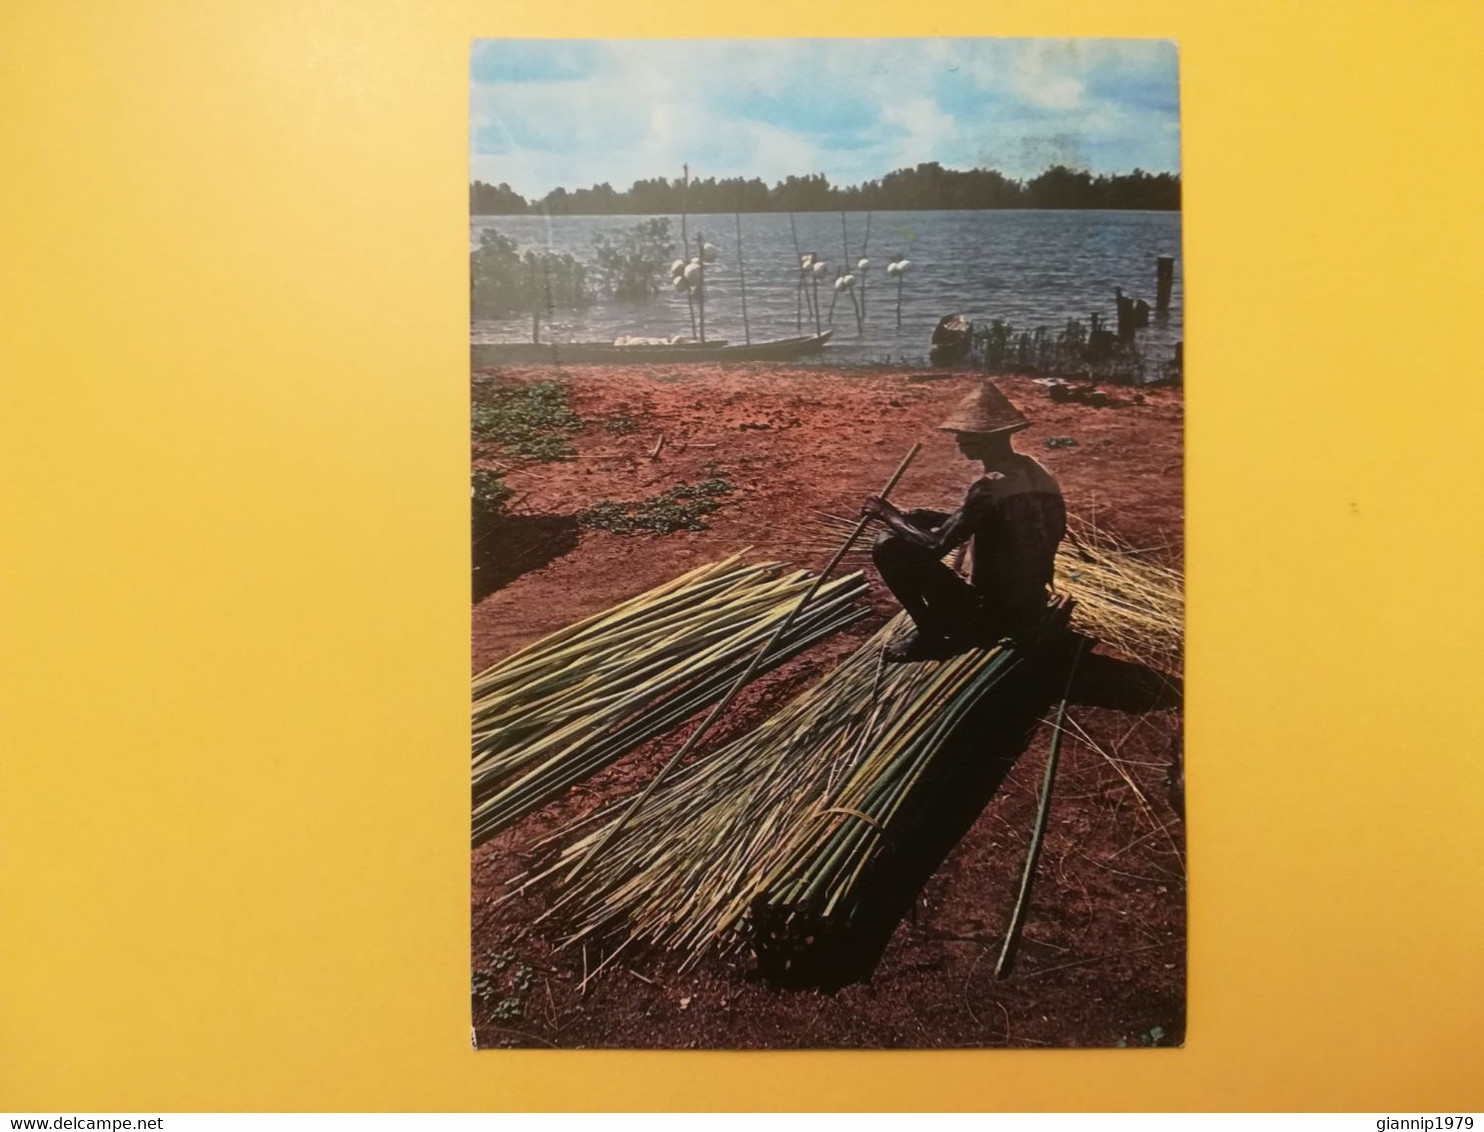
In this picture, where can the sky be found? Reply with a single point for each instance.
(575, 113)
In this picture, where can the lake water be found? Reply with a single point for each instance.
(1030, 268)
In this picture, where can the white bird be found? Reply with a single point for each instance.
(902, 265)
(863, 266)
(677, 267)
(845, 282)
(693, 273)
(806, 261)
(820, 267)
(709, 253)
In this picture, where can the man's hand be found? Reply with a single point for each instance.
(878, 508)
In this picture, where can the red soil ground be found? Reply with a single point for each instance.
(1102, 960)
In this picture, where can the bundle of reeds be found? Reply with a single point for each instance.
(566, 706)
(1132, 599)
(773, 834)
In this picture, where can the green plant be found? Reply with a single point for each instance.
(1150, 1039)
(488, 490)
(532, 422)
(503, 282)
(681, 508)
(491, 980)
(633, 264)
(482, 984)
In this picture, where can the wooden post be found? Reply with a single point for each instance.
(701, 286)
(742, 272)
(535, 305)
(798, 286)
(1125, 315)
(690, 298)
(1164, 282)
(684, 192)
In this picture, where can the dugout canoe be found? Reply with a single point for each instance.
(485, 355)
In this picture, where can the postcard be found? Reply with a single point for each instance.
(826, 524)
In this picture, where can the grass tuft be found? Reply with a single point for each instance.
(681, 508)
(529, 422)
(488, 490)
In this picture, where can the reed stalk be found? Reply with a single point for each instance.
(559, 710)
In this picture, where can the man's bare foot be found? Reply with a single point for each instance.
(914, 646)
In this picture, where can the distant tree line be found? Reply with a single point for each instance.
(928, 186)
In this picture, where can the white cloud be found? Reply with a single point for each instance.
(644, 108)
(929, 130)
(1044, 74)
(774, 148)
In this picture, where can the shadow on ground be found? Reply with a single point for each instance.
(506, 546)
(978, 757)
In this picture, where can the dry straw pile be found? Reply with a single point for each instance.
(774, 834)
(572, 703)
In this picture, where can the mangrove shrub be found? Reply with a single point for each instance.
(503, 282)
(635, 264)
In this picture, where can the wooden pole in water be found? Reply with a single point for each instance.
(1125, 310)
(845, 262)
(690, 299)
(742, 680)
(799, 282)
(1164, 282)
(535, 306)
(865, 248)
(684, 192)
(742, 273)
(701, 286)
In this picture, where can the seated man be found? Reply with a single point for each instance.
(1016, 518)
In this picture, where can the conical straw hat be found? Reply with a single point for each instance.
(985, 412)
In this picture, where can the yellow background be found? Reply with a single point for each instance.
(232, 346)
